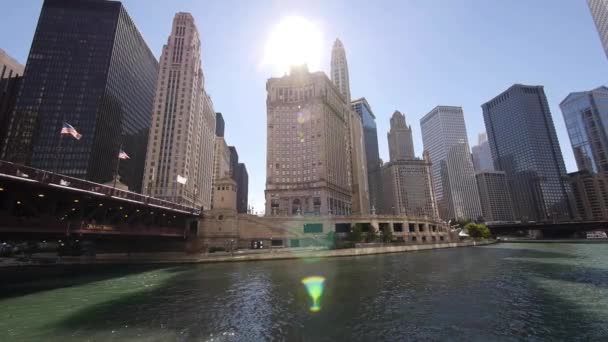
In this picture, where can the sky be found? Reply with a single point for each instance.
(406, 55)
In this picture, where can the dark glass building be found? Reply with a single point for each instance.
(524, 145)
(242, 188)
(9, 88)
(370, 139)
(219, 125)
(88, 66)
(234, 162)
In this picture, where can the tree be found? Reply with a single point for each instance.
(371, 236)
(387, 235)
(356, 233)
(330, 239)
(478, 231)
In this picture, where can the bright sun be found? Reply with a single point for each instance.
(294, 41)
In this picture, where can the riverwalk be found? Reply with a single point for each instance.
(237, 256)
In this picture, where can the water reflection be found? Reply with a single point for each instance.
(510, 291)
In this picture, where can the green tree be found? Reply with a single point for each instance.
(330, 240)
(356, 233)
(371, 236)
(387, 235)
(477, 231)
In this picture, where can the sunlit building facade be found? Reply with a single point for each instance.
(88, 66)
(482, 155)
(307, 159)
(599, 12)
(182, 140)
(9, 67)
(444, 137)
(356, 144)
(586, 117)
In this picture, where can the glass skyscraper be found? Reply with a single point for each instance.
(88, 66)
(524, 145)
(372, 154)
(586, 117)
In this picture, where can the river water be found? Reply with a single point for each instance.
(492, 293)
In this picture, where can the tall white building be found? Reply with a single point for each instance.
(181, 141)
(482, 155)
(356, 144)
(599, 12)
(444, 136)
(339, 69)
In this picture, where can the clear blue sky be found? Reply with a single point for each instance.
(407, 55)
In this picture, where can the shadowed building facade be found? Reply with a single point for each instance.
(494, 196)
(400, 142)
(372, 154)
(524, 145)
(307, 159)
(183, 138)
(88, 66)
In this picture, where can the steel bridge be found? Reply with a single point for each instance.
(35, 202)
(557, 229)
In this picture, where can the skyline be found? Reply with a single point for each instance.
(483, 59)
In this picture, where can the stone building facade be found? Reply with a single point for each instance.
(182, 136)
(308, 161)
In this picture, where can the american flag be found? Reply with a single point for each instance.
(123, 155)
(67, 129)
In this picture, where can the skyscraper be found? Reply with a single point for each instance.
(339, 69)
(308, 164)
(494, 196)
(182, 142)
(400, 142)
(219, 125)
(234, 161)
(586, 117)
(9, 67)
(407, 185)
(11, 73)
(524, 145)
(242, 189)
(444, 136)
(599, 12)
(356, 145)
(372, 154)
(88, 66)
(590, 192)
(482, 155)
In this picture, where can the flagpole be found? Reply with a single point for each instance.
(58, 150)
(117, 164)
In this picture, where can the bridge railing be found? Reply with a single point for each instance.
(46, 177)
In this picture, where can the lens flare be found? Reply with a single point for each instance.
(314, 287)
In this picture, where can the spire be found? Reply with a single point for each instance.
(339, 69)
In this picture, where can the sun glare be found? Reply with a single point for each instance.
(294, 41)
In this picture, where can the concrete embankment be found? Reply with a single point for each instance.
(274, 254)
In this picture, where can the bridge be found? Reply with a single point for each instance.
(548, 229)
(39, 203)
